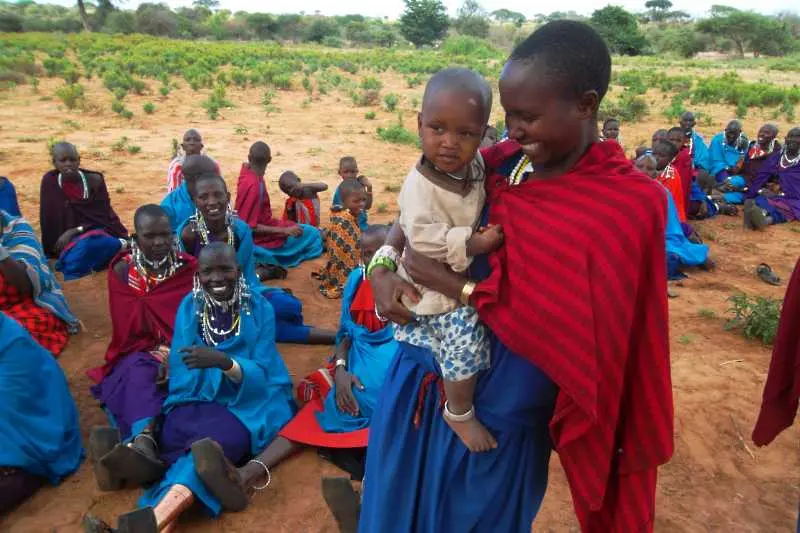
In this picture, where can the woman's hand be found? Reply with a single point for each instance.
(65, 238)
(345, 381)
(198, 357)
(388, 289)
(294, 231)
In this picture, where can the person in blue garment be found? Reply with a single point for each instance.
(348, 169)
(681, 252)
(8, 197)
(41, 438)
(213, 221)
(178, 204)
(694, 141)
(229, 390)
(726, 154)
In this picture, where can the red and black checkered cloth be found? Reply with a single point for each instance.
(46, 328)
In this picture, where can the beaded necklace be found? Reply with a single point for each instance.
(144, 266)
(85, 184)
(786, 162)
(212, 310)
(205, 236)
(523, 166)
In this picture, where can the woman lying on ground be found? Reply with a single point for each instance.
(29, 292)
(229, 390)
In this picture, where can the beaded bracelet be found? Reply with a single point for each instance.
(381, 262)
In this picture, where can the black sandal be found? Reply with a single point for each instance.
(219, 475)
(127, 464)
(765, 272)
(343, 502)
(138, 521)
(102, 441)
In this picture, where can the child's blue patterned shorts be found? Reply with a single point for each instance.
(458, 340)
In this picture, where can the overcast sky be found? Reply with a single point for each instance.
(393, 8)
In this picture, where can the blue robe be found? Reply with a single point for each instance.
(362, 216)
(680, 250)
(699, 151)
(38, 417)
(432, 482)
(721, 155)
(368, 359)
(262, 402)
(20, 241)
(8, 199)
(178, 206)
(295, 250)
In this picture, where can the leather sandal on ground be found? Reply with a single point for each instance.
(219, 475)
(126, 464)
(343, 502)
(101, 441)
(765, 272)
(138, 521)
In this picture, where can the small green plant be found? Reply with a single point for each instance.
(415, 102)
(164, 90)
(119, 190)
(685, 339)
(398, 134)
(757, 317)
(392, 188)
(390, 101)
(383, 207)
(120, 145)
(707, 313)
(72, 95)
(149, 108)
(240, 130)
(369, 115)
(267, 98)
(216, 101)
(133, 150)
(307, 86)
(35, 85)
(371, 83)
(28, 140)
(72, 124)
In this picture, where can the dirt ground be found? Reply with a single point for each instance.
(717, 481)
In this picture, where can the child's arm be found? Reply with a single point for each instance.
(310, 190)
(485, 240)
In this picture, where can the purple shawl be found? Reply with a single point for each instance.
(789, 179)
(58, 213)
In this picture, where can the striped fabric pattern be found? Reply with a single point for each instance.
(579, 289)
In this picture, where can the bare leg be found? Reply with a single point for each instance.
(321, 336)
(472, 433)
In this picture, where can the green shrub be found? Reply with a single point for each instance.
(369, 115)
(216, 100)
(283, 82)
(133, 150)
(72, 95)
(149, 108)
(371, 83)
(628, 108)
(309, 88)
(390, 101)
(120, 145)
(398, 134)
(757, 318)
(164, 90)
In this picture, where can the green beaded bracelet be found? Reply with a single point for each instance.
(381, 261)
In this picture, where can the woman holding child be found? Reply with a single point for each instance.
(583, 266)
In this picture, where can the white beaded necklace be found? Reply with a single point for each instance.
(205, 236)
(521, 168)
(785, 162)
(83, 182)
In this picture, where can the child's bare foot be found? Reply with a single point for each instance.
(472, 433)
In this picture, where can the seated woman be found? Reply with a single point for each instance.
(774, 196)
(302, 205)
(79, 226)
(214, 221)
(41, 440)
(681, 252)
(192, 145)
(227, 383)
(145, 288)
(726, 152)
(29, 292)
(758, 151)
(178, 204)
(8, 197)
(289, 244)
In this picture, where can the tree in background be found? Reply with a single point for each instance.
(472, 20)
(424, 22)
(263, 25)
(748, 31)
(208, 4)
(558, 15)
(620, 30)
(506, 15)
(658, 9)
(84, 16)
(321, 29)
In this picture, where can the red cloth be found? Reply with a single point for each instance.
(141, 322)
(579, 289)
(302, 211)
(782, 390)
(672, 180)
(363, 309)
(255, 209)
(45, 327)
(683, 164)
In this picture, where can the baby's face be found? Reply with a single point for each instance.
(451, 128)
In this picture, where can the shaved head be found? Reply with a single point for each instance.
(460, 80)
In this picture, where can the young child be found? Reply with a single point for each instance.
(611, 129)
(191, 145)
(440, 205)
(348, 169)
(669, 175)
(341, 240)
(302, 206)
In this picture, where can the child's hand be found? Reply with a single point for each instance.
(485, 240)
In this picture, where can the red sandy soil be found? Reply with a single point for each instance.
(717, 481)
